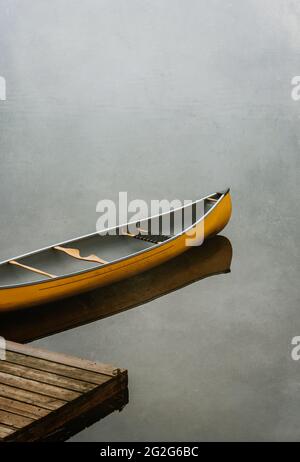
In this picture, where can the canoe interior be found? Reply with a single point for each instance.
(109, 247)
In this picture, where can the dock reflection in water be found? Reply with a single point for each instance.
(116, 403)
(213, 257)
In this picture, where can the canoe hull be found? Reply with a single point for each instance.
(51, 290)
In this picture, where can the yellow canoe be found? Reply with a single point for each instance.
(63, 270)
(213, 257)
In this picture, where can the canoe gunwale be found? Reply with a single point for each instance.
(113, 262)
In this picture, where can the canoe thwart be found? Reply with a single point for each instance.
(30, 268)
(75, 253)
(124, 233)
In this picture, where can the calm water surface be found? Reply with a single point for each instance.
(166, 100)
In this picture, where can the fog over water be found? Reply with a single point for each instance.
(167, 100)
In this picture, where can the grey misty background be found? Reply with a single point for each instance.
(166, 99)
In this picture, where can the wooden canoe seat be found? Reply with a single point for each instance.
(141, 230)
(75, 253)
(212, 199)
(30, 268)
(124, 233)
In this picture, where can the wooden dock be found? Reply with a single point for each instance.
(43, 392)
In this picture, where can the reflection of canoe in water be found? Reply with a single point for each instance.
(93, 261)
(213, 257)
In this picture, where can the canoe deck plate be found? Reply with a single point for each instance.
(154, 239)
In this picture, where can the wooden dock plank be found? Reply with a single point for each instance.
(24, 396)
(60, 358)
(61, 369)
(41, 392)
(45, 377)
(14, 420)
(5, 431)
(22, 409)
(38, 387)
